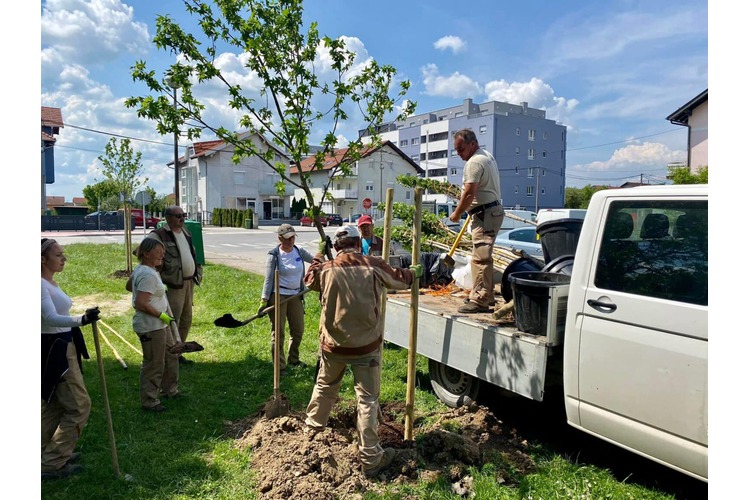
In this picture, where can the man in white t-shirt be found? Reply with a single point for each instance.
(481, 197)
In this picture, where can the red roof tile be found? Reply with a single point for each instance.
(52, 117)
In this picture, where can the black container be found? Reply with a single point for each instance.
(531, 292)
(562, 265)
(518, 265)
(559, 237)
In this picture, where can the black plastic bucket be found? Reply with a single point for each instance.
(531, 298)
(562, 265)
(559, 237)
(518, 265)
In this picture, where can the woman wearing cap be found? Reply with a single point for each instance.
(290, 260)
(371, 243)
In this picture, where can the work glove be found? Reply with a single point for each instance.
(166, 318)
(418, 270)
(90, 316)
(322, 247)
(263, 305)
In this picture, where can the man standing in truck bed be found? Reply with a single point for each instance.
(480, 195)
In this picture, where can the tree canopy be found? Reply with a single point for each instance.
(303, 81)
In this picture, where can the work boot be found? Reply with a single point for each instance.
(474, 308)
(66, 470)
(156, 409)
(388, 455)
(75, 457)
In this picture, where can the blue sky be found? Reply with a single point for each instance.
(610, 71)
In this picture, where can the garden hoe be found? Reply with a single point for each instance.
(447, 259)
(278, 405)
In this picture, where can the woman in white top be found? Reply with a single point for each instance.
(160, 371)
(65, 402)
(290, 260)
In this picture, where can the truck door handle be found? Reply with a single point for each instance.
(602, 306)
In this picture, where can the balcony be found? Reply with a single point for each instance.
(344, 194)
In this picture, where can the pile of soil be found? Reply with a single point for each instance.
(290, 463)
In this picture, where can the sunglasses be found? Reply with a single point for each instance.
(179, 216)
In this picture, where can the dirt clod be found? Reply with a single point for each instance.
(291, 462)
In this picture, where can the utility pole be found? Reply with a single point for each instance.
(175, 86)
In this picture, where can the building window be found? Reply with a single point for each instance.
(544, 154)
(518, 131)
(516, 190)
(454, 171)
(408, 194)
(483, 129)
(544, 170)
(532, 154)
(532, 134)
(544, 135)
(338, 185)
(529, 190)
(543, 191)
(415, 141)
(530, 172)
(369, 186)
(516, 170)
(415, 158)
(458, 113)
(518, 150)
(404, 142)
(453, 152)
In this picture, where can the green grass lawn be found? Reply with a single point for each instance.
(183, 453)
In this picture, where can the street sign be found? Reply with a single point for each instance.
(366, 203)
(143, 198)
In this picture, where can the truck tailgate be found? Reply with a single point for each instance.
(476, 344)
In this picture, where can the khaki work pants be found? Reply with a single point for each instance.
(366, 370)
(293, 312)
(484, 229)
(64, 418)
(160, 371)
(181, 302)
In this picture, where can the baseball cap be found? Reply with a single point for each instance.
(346, 232)
(286, 230)
(365, 219)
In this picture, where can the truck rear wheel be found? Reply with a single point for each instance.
(453, 387)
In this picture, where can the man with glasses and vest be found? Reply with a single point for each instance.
(180, 270)
(480, 196)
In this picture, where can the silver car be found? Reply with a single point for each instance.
(521, 238)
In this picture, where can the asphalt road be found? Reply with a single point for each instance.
(244, 249)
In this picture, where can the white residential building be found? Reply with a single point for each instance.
(694, 115)
(371, 176)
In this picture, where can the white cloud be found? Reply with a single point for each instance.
(451, 42)
(628, 163)
(92, 31)
(457, 86)
(538, 94)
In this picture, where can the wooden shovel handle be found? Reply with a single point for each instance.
(460, 235)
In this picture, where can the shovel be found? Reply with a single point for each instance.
(228, 321)
(180, 347)
(447, 258)
(278, 405)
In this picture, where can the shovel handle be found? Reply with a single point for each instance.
(460, 235)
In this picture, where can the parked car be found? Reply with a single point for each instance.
(307, 221)
(521, 238)
(353, 218)
(138, 214)
(335, 220)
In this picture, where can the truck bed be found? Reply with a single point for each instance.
(477, 344)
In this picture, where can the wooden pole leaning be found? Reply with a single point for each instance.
(387, 225)
(121, 337)
(411, 373)
(105, 397)
(114, 351)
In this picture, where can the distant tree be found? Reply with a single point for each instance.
(683, 175)
(122, 167)
(293, 97)
(103, 195)
(580, 197)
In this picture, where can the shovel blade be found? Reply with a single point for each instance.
(277, 406)
(448, 261)
(228, 321)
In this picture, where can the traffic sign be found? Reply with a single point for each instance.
(143, 198)
(366, 203)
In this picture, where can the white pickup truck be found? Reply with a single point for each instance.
(627, 335)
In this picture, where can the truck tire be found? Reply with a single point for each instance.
(453, 387)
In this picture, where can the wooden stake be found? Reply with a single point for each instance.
(411, 373)
(121, 337)
(105, 397)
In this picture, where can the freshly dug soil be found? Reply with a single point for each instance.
(290, 463)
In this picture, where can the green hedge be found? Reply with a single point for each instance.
(230, 217)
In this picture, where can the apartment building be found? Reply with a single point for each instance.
(529, 149)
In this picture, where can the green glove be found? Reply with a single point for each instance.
(263, 304)
(418, 270)
(322, 247)
(166, 318)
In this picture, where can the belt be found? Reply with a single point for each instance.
(482, 208)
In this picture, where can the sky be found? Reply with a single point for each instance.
(611, 72)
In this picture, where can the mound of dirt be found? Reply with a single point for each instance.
(291, 463)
